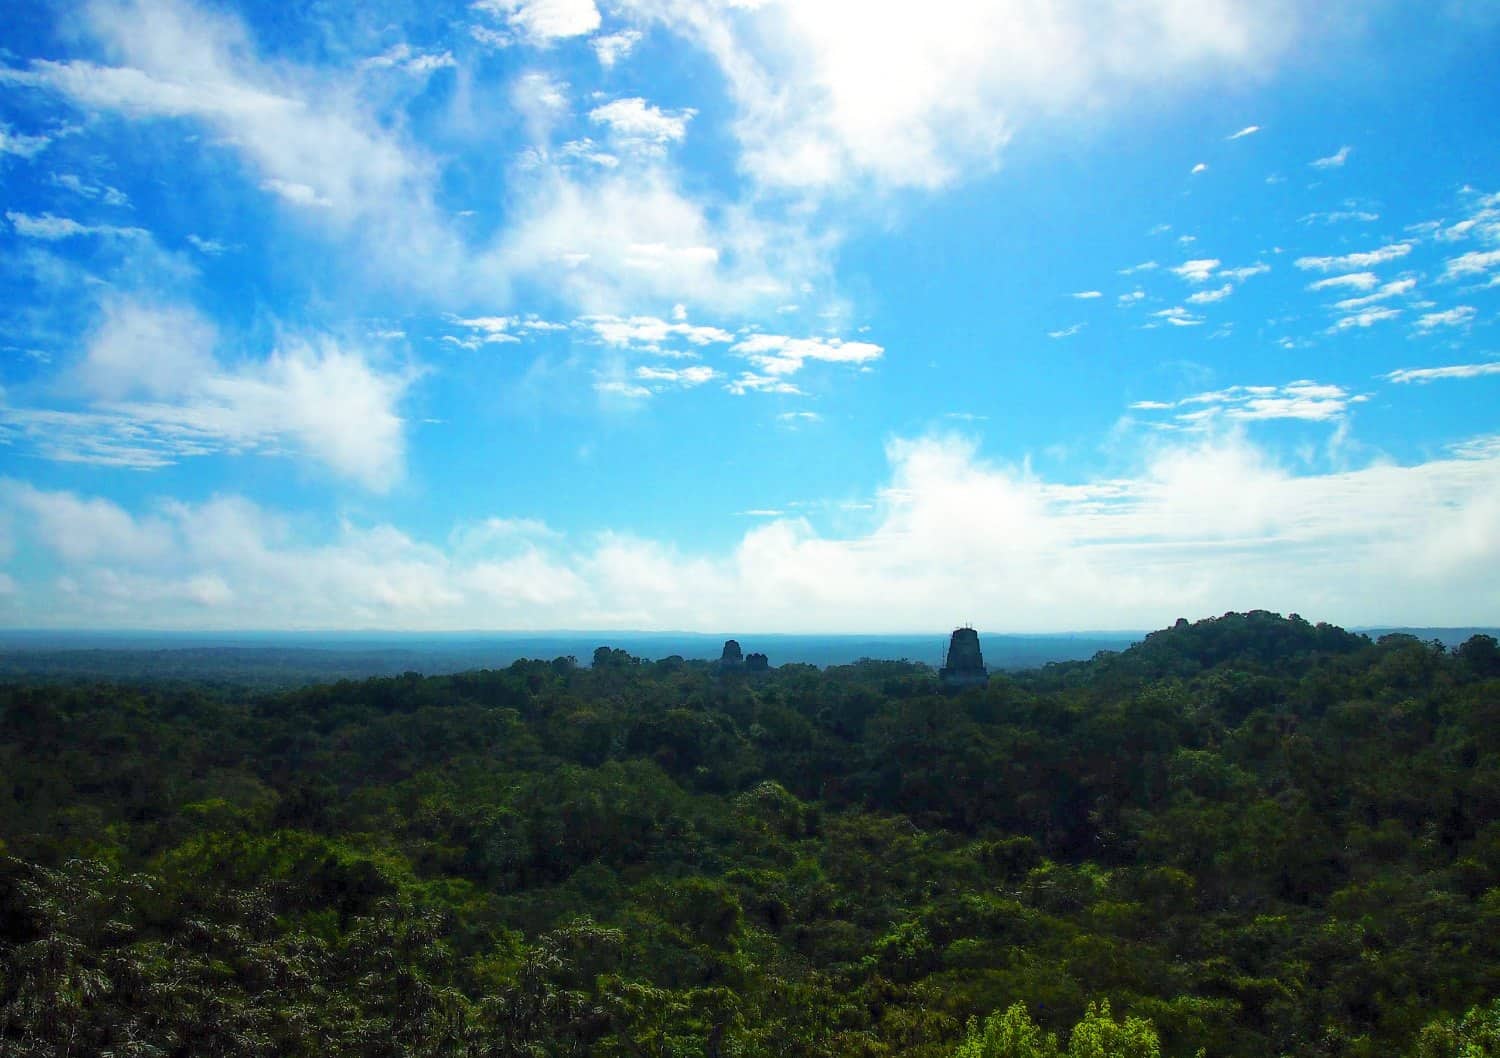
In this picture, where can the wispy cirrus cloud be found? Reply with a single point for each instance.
(755, 382)
(694, 375)
(1395, 288)
(1206, 297)
(406, 59)
(51, 228)
(1364, 319)
(98, 192)
(1435, 374)
(1248, 130)
(1335, 160)
(1475, 262)
(20, 144)
(1350, 281)
(1339, 216)
(1178, 317)
(1352, 261)
(1454, 317)
(1239, 275)
(1303, 399)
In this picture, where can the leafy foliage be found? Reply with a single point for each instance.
(1248, 836)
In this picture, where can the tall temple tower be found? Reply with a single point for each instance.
(965, 666)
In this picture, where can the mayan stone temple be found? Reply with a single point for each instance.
(733, 660)
(965, 667)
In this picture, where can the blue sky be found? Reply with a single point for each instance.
(699, 314)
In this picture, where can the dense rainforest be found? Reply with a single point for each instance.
(1249, 836)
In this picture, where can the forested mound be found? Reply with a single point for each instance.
(1249, 836)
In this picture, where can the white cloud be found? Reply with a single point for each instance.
(146, 350)
(306, 135)
(589, 151)
(485, 330)
(630, 236)
(1239, 275)
(695, 375)
(1198, 271)
(1144, 266)
(651, 334)
(1196, 528)
(1066, 332)
(1454, 317)
(1433, 374)
(1338, 216)
(156, 394)
(1366, 318)
(636, 121)
(1304, 399)
(84, 530)
(542, 101)
(109, 196)
(752, 382)
(1178, 317)
(1248, 130)
(295, 193)
(1199, 168)
(1366, 259)
(1482, 221)
(544, 21)
(209, 247)
(52, 229)
(779, 355)
(1333, 161)
(1131, 298)
(1086, 295)
(1474, 262)
(610, 48)
(830, 94)
(1205, 297)
(1354, 281)
(618, 387)
(405, 58)
(20, 145)
(1389, 290)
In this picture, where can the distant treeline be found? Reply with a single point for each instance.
(1251, 836)
(284, 661)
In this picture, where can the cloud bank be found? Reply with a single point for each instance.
(1203, 527)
